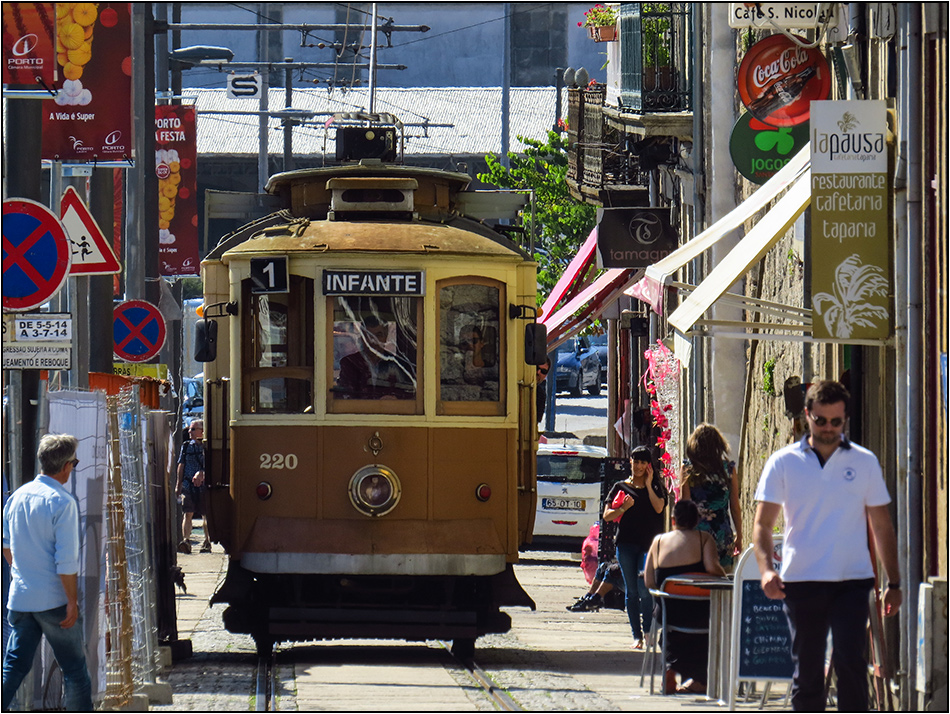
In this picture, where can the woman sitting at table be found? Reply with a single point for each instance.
(684, 550)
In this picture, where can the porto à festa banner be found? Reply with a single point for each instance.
(29, 36)
(850, 229)
(635, 237)
(91, 117)
(176, 142)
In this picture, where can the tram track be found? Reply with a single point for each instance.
(498, 696)
(266, 682)
(267, 685)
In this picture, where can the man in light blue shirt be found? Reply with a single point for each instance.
(41, 544)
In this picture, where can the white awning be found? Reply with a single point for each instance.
(651, 288)
(749, 251)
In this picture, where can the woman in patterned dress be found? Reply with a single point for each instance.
(709, 479)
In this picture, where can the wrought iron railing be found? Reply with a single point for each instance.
(598, 155)
(655, 57)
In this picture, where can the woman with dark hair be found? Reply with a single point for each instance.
(644, 496)
(709, 479)
(684, 550)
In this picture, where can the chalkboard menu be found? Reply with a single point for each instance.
(765, 644)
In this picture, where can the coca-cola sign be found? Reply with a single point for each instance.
(779, 78)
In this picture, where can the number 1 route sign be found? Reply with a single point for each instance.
(36, 254)
(138, 331)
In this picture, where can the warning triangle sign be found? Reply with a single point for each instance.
(92, 255)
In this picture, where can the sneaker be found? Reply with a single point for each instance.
(591, 603)
(206, 548)
(184, 547)
(577, 603)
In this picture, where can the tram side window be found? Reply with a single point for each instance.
(278, 350)
(375, 348)
(471, 366)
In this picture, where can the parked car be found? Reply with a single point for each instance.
(192, 404)
(569, 478)
(578, 367)
(599, 344)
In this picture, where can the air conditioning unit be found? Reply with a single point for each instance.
(357, 142)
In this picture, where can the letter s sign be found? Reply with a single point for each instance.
(244, 86)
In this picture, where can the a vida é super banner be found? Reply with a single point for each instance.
(176, 153)
(91, 117)
(850, 227)
(29, 54)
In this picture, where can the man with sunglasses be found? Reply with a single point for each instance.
(831, 492)
(41, 544)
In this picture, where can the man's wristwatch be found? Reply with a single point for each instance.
(894, 586)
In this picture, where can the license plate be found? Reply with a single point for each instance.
(563, 504)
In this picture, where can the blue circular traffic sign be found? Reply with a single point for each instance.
(138, 331)
(36, 254)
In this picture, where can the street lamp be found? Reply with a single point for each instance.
(188, 57)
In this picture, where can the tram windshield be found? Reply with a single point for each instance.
(375, 348)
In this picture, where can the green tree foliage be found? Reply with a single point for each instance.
(562, 222)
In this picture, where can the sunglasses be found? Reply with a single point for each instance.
(821, 421)
(75, 462)
(543, 371)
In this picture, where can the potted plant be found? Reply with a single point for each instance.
(655, 30)
(601, 23)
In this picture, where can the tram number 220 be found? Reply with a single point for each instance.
(279, 461)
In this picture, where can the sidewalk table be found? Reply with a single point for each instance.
(718, 672)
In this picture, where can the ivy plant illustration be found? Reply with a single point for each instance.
(849, 306)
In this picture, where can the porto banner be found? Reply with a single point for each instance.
(29, 50)
(90, 119)
(850, 229)
(635, 237)
(176, 151)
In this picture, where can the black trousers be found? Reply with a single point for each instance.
(813, 608)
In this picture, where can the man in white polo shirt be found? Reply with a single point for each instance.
(829, 491)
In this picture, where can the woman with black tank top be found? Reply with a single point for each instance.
(640, 517)
(684, 550)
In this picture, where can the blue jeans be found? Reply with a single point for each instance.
(67, 645)
(639, 601)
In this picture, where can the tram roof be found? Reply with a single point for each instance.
(325, 237)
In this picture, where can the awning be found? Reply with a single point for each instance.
(572, 280)
(588, 304)
(749, 251)
(651, 288)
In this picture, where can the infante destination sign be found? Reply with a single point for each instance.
(850, 230)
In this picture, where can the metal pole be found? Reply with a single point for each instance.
(506, 88)
(909, 496)
(372, 64)
(262, 138)
(288, 123)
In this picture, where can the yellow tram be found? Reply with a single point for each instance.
(370, 410)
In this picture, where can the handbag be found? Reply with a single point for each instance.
(618, 502)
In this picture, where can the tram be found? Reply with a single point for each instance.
(370, 421)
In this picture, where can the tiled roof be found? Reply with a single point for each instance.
(473, 113)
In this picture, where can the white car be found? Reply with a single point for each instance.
(569, 492)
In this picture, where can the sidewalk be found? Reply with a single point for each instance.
(580, 652)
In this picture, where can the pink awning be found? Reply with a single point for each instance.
(573, 279)
(589, 304)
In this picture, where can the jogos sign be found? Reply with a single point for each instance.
(850, 230)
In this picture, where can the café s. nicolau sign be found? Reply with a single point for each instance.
(635, 237)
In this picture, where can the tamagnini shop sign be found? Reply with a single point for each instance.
(850, 230)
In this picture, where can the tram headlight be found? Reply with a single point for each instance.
(375, 490)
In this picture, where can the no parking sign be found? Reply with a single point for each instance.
(138, 331)
(36, 254)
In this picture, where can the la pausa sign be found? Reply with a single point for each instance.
(374, 282)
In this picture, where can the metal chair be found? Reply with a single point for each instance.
(672, 589)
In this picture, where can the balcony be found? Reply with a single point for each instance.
(643, 109)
